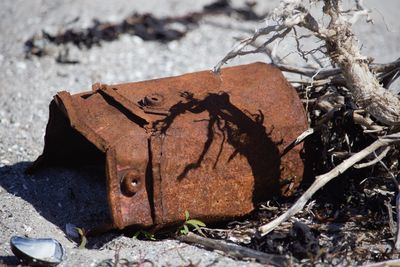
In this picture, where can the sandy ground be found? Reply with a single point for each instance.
(41, 205)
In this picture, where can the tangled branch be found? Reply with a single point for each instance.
(341, 46)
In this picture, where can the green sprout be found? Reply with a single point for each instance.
(190, 224)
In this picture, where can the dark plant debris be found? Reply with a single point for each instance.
(146, 26)
(301, 241)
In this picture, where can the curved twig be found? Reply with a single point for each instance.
(374, 161)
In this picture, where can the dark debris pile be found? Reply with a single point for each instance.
(300, 240)
(146, 26)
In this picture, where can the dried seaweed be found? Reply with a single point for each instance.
(147, 26)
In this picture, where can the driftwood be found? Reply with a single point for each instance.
(341, 46)
(343, 49)
(235, 250)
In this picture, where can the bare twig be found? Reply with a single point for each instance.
(385, 67)
(392, 226)
(309, 72)
(384, 263)
(374, 161)
(298, 140)
(394, 178)
(365, 121)
(235, 250)
(238, 50)
(397, 240)
(323, 179)
(325, 73)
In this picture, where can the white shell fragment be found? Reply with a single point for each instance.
(37, 251)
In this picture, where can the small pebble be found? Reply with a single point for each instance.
(21, 65)
(4, 161)
(27, 228)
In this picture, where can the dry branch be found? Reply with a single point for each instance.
(342, 48)
(384, 263)
(374, 161)
(235, 250)
(320, 74)
(397, 237)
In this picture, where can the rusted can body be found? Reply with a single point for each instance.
(210, 144)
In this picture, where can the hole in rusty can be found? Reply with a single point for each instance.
(130, 183)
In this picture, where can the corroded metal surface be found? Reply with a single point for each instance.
(209, 144)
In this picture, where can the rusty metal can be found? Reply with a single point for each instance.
(210, 144)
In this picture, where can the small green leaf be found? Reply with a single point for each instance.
(150, 236)
(200, 232)
(184, 230)
(187, 216)
(195, 223)
(189, 224)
